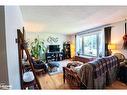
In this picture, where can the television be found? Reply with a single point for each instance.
(54, 48)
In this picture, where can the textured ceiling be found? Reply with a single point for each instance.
(69, 19)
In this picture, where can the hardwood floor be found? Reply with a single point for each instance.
(53, 82)
(117, 85)
(56, 82)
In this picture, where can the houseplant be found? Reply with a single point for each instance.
(38, 49)
(79, 52)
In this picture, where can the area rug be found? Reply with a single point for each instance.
(62, 64)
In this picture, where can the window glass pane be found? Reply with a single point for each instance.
(90, 45)
(79, 45)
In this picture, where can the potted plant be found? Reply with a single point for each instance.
(38, 49)
(79, 52)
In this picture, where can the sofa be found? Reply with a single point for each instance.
(96, 74)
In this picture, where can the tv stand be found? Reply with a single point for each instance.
(54, 56)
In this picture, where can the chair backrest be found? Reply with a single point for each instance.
(71, 77)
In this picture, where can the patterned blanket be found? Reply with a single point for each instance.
(99, 73)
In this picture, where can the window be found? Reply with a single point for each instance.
(90, 44)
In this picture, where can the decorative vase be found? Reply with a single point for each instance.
(28, 76)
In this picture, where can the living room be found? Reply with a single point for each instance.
(57, 36)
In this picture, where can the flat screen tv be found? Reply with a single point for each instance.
(54, 48)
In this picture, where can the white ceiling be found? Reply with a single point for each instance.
(69, 19)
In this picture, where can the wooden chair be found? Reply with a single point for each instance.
(72, 79)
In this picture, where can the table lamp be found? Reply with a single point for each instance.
(111, 47)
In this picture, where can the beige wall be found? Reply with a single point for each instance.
(71, 38)
(14, 21)
(61, 39)
(117, 34)
(3, 55)
(118, 31)
(44, 36)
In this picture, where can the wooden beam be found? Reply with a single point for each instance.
(20, 57)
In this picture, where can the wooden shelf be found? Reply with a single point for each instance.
(22, 47)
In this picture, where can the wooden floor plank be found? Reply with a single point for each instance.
(53, 82)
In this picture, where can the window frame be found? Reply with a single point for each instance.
(97, 41)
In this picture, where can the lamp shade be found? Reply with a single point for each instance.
(112, 46)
